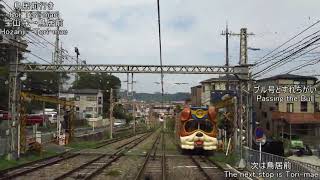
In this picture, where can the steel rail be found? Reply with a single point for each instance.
(42, 163)
(116, 157)
(117, 154)
(163, 159)
(144, 165)
(32, 169)
(200, 168)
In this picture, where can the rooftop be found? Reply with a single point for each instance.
(83, 91)
(297, 118)
(289, 76)
(221, 79)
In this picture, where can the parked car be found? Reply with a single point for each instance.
(52, 118)
(33, 119)
(119, 123)
(4, 115)
(296, 142)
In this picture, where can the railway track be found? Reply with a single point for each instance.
(199, 167)
(208, 170)
(154, 167)
(53, 160)
(34, 166)
(96, 166)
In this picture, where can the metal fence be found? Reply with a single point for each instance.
(270, 166)
(3, 146)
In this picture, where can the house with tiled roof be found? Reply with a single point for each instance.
(288, 103)
(216, 84)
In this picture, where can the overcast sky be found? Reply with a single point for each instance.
(125, 32)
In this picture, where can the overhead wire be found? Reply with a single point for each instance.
(286, 59)
(309, 27)
(282, 62)
(288, 49)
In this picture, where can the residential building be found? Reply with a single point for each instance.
(196, 92)
(89, 102)
(282, 105)
(216, 84)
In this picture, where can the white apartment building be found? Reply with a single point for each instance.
(89, 102)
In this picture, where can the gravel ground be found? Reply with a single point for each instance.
(143, 147)
(55, 170)
(307, 159)
(125, 168)
(110, 147)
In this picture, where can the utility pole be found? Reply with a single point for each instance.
(245, 109)
(56, 61)
(111, 113)
(227, 34)
(127, 87)
(133, 106)
(56, 48)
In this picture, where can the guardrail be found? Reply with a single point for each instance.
(270, 166)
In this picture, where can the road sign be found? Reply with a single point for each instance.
(260, 137)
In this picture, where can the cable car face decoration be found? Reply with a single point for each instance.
(198, 128)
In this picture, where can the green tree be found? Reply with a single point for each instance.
(3, 66)
(119, 112)
(44, 82)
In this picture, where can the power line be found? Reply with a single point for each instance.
(262, 59)
(317, 60)
(287, 50)
(286, 59)
(39, 57)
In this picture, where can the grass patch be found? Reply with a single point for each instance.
(220, 157)
(26, 158)
(113, 173)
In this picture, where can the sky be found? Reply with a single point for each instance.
(126, 32)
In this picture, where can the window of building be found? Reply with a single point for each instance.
(213, 87)
(89, 109)
(91, 98)
(264, 114)
(316, 107)
(289, 107)
(268, 125)
(77, 109)
(99, 100)
(300, 82)
(77, 98)
(304, 106)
